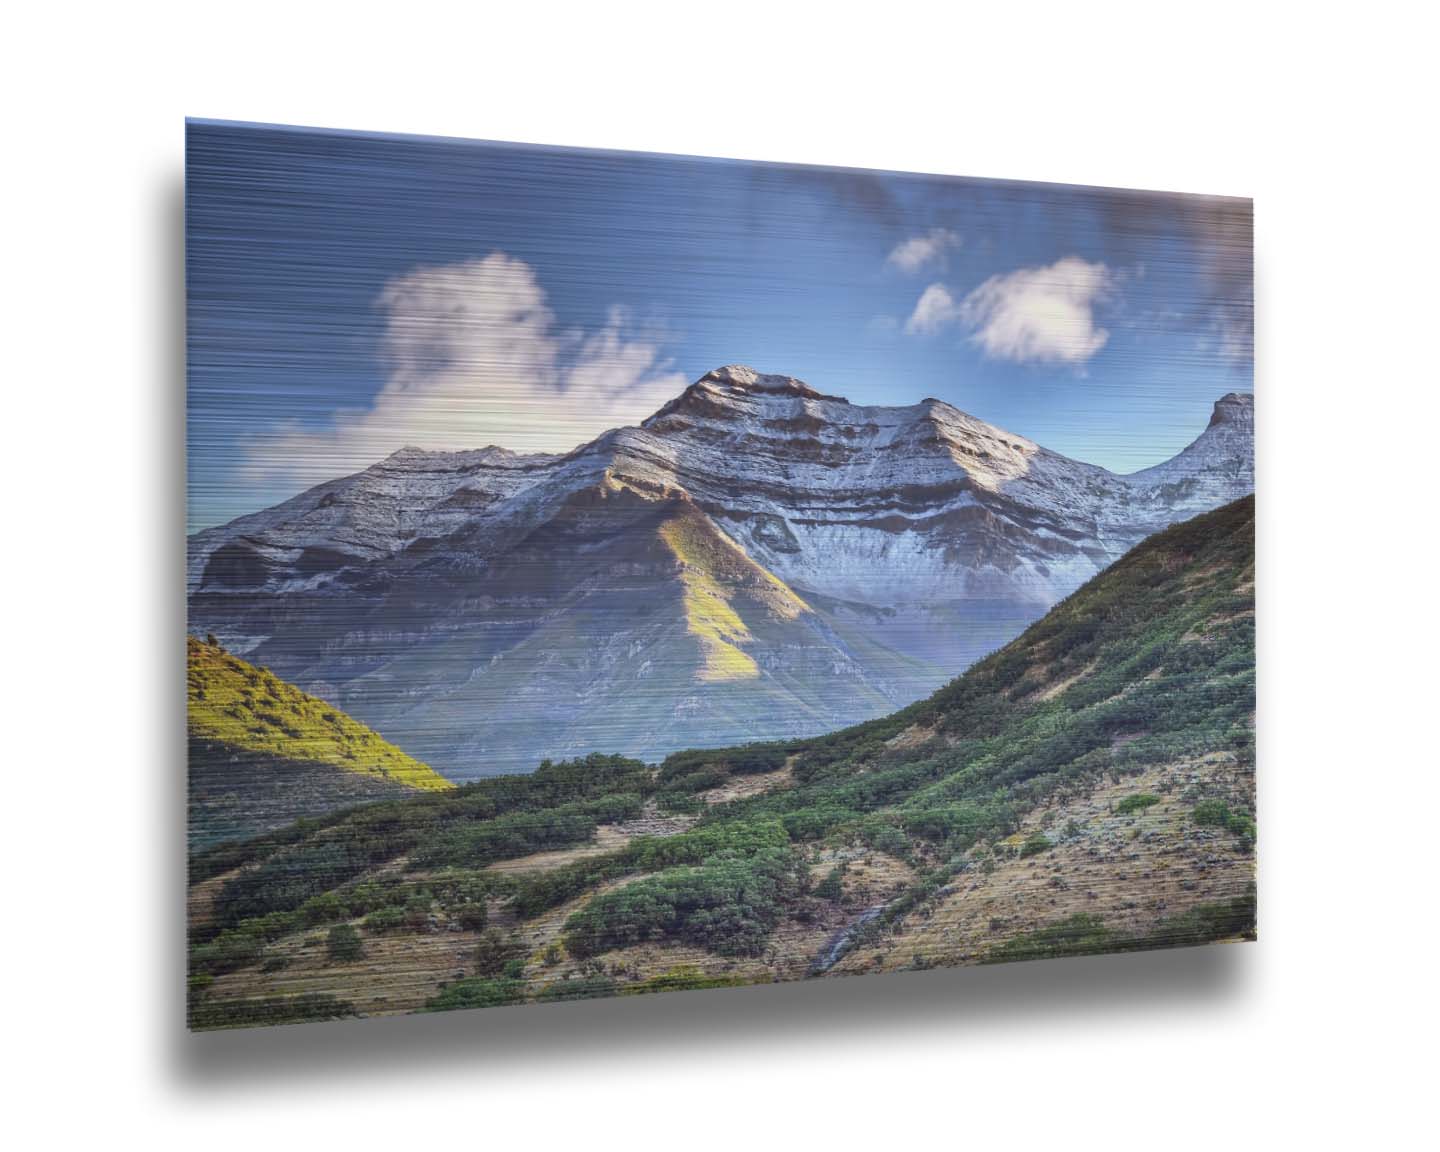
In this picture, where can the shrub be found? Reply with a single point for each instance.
(887, 838)
(229, 951)
(472, 916)
(292, 876)
(582, 988)
(494, 951)
(1244, 829)
(1211, 813)
(833, 886)
(1217, 814)
(1079, 935)
(1206, 922)
(306, 1007)
(477, 993)
(1034, 844)
(475, 844)
(386, 919)
(343, 943)
(1085, 935)
(536, 894)
(323, 909)
(686, 978)
(962, 823)
(728, 905)
(417, 911)
(814, 823)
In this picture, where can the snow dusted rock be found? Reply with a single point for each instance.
(1217, 468)
(756, 560)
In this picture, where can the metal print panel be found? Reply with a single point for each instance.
(612, 573)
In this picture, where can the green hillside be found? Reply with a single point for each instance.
(249, 709)
(1088, 787)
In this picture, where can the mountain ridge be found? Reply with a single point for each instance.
(434, 594)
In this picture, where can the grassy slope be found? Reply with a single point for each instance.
(234, 703)
(1144, 677)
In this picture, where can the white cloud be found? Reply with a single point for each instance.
(474, 357)
(1044, 315)
(935, 309)
(1040, 314)
(915, 253)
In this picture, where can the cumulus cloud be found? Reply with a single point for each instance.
(1031, 315)
(473, 357)
(935, 309)
(917, 252)
(1040, 314)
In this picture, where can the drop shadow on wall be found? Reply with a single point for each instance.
(541, 1039)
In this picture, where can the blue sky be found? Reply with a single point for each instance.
(352, 293)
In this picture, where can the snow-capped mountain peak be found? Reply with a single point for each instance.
(445, 594)
(1217, 467)
(1236, 409)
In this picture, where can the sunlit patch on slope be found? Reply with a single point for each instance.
(249, 709)
(713, 571)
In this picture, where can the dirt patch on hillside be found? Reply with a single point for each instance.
(912, 737)
(608, 838)
(200, 899)
(1036, 684)
(1059, 686)
(866, 876)
(742, 787)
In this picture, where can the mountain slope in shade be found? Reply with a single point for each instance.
(756, 559)
(263, 754)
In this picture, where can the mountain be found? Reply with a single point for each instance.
(1217, 467)
(755, 559)
(1087, 788)
(263, 753)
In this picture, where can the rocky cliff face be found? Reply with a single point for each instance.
(756, 560)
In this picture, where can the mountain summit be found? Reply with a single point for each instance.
(756, 559)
